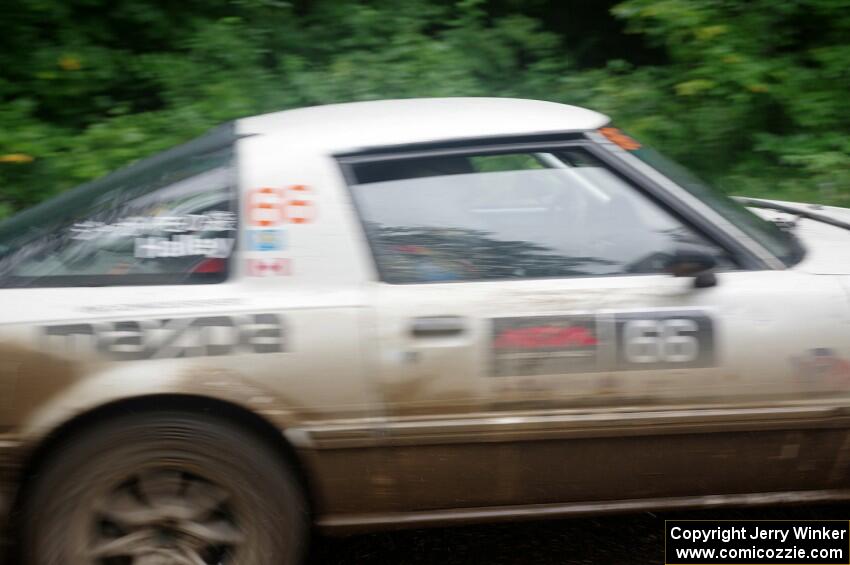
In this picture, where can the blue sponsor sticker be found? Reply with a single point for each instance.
(266, 240)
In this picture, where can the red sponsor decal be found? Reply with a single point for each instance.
(541, 337)
(269, 267)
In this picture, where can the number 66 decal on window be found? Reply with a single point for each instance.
(664, 340)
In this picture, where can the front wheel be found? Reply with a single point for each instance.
(164, 488)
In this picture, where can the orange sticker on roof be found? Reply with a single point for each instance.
(620, 139)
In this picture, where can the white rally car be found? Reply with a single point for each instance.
(403, 313)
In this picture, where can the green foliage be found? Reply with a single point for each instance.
(751, 94)
(756, 90)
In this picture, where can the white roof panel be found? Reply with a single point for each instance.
(360, 125)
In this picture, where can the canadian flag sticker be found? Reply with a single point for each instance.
(269, 267)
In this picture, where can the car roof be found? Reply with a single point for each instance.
(341, 128)
(361, 125)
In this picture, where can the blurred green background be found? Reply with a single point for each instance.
(751, 94)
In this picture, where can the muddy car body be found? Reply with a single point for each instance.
(422, 311)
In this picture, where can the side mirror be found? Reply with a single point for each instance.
(693, 263)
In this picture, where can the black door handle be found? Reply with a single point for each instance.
(437, 326)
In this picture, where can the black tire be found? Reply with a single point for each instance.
(164, 484)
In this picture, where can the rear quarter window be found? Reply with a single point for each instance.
(173, 222)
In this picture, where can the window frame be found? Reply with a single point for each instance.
(743, 257)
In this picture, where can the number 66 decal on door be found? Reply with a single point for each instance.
(664, 340)
(615, 341)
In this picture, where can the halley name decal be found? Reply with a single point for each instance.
(625, 341)
(183, 246)
(172, 338)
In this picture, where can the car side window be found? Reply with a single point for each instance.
(514, 216)
(170, 223)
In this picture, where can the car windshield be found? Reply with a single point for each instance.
(779, 242)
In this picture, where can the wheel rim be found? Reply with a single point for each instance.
(165, 517)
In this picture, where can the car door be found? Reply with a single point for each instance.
(534, 349)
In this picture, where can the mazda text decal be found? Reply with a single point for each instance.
(134, 340)
(628, 341)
